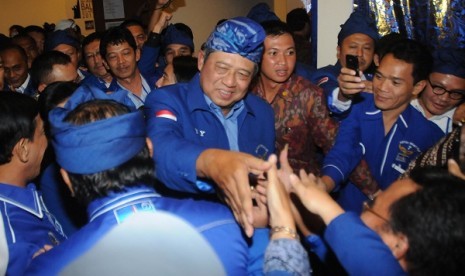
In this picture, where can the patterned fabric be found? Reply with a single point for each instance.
(286, 256)
(239, 35)
(302, 120)
(438, 23)
(437, 156)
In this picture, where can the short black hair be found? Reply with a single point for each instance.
(15, 47)
(34, 28)
(91, 38)
(433, 220)
(18, 114)
(276, 28)
(386, 41)
(415, 53)
(116, 36)
(23, 36)
(54, 94)
(184, 68)
(42, 66)
(132, 22)
(139, 170)
(297, 18)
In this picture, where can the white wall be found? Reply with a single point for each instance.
(329, 21)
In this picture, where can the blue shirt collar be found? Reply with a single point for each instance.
(115, 199)
(27, 198)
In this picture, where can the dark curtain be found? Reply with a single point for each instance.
(437, 23)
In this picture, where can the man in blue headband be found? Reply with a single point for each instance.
(63, 42)
(357, 37)
(106, 162)
(30, 228)
(445, 89)
(177, 41)
(210, 133)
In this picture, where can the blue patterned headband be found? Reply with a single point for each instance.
(240, 35)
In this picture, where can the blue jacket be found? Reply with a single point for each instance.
(216, 223)
(326, 78)
(359, 249)
(28, 225)
(92, 80)
(361, 135)
(193, 128)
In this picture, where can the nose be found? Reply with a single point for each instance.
(281, 59)
(381, 84)
(444, 97)
(120, 59)
(229, 79)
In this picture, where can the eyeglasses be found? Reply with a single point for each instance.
(453, 94)
(367, 206)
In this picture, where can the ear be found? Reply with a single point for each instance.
(401, 247)
(200, 60)
(137, 54)
(376, 60)
(41, 87)
(149, 145)
(454, 168)
(65, 176)
(418, 87)
(338, 52)
(105, 64)
(21, 150)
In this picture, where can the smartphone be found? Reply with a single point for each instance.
(352, 63)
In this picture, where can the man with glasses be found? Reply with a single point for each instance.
(445, 89)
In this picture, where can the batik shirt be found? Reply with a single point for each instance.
(302, 120)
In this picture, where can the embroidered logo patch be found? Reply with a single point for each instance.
(407, 151)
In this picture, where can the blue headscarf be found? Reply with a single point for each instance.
(358, 23)
(174, 36)
(449, 61)
(60, 37)
(100, 145)
(261, 13)
(239, 35)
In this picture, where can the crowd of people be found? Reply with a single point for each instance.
(268, 165)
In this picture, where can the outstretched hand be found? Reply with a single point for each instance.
(230, 171)
(279, 204)
(314, 197)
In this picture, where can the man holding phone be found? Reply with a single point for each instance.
(357, 38)
(383, 129)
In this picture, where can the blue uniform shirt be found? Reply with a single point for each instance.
(362, 135)
(214, 222)
(180, 121)
(28, 225)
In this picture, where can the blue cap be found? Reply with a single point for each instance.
(358, 23)
(239, 35)
(60, 37)
(174, 36)
(449, 61)
(97, 146)
(261, 13)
